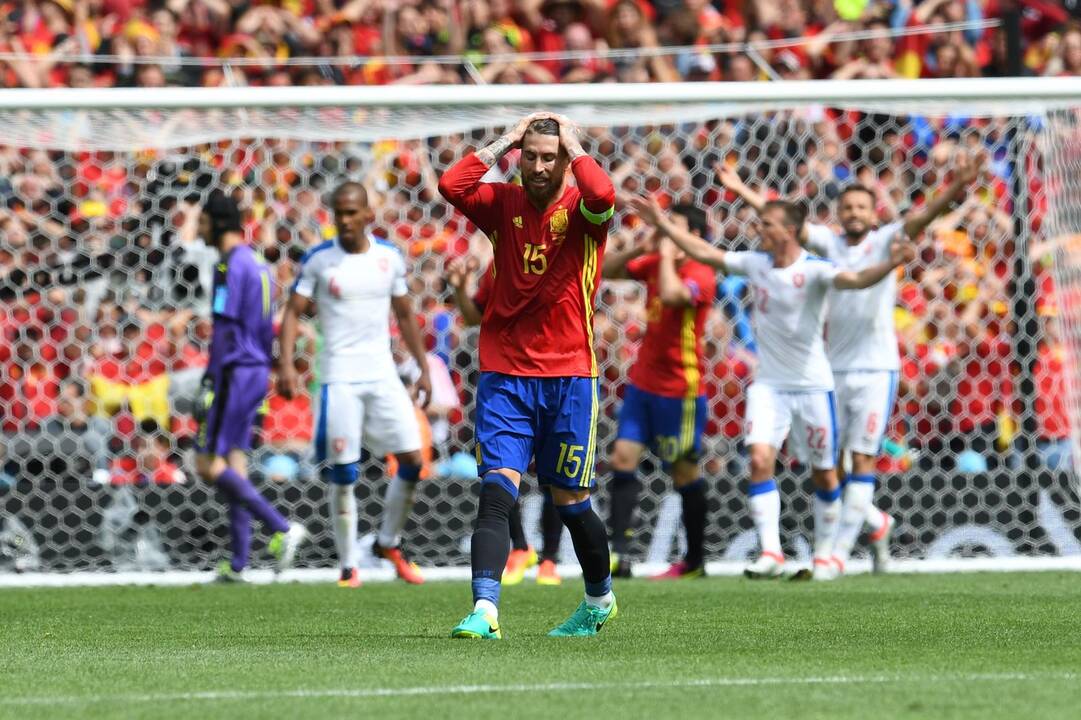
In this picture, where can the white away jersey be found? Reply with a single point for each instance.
(352, 292)
(789, 312)
(860, 333)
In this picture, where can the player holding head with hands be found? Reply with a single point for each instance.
(793, 388)
(537, 395)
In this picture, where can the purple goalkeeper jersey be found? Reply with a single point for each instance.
(243, 306)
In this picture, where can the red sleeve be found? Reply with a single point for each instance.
(643, 266)
(484, 289)
(462, 188)
(701, 281)
(598, 193)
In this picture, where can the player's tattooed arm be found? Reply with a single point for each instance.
(651, 213)
(622, 249)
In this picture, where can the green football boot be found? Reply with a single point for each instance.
(478, 625)
(586, 621)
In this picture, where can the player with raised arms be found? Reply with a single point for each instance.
(537, 394)
(792, 390)
(862, 342)
(355, 281)
(235, 385)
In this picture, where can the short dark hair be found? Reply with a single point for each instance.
(696, 218)
(547, 126)
(794, 215)
(856, 187)
(224, 214)
(347, 187)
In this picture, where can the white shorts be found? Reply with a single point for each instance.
(864, 403)
(807, 418)
(376, 415)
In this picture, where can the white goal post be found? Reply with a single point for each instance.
(103, 298)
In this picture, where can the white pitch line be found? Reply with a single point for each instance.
(719, 682)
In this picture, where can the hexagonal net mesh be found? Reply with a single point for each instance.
(105, 316)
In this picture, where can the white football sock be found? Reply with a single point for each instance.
(874, 517)
(827, 518)
(396, 508)
(856, 499)
(603, 601)
(488, 607)
(343, 517)
(766, 511)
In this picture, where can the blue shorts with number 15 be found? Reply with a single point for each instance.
(551, 419)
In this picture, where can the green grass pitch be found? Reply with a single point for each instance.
(954, 646)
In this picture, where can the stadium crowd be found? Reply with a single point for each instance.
(97, 43)
(104, 278)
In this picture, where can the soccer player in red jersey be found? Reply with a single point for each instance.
(537, 394)
(664, 404)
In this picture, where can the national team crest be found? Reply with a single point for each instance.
(334, 289)
(518, 222)
(384, 265)
(559, 222)
(339, 446)
(798, 280)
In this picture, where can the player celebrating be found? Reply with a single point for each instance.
(522, 555)
(355, 281)
(793, 388)
(537, 394)
(235, 386)
(664, 405)
(862, 347)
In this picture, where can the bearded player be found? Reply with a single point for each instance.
(537, 394)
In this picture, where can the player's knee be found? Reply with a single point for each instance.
(346, 474)
(825, 479)
(498, 494)
(684, 473)
(863, 464)
(625, 455)
(762, 459)
(209, 467)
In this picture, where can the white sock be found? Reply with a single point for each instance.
(343, 517)
(488, 607)
(827, 518)
(766, 511)
(874, 517)
(603, 601)
(396, 508)
(856, 499)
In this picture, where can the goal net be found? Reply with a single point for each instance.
(104, 306)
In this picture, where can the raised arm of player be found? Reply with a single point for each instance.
(651, 213)
(288, 385)
(458, 273)
(598, 193)
(965, 170)
(672, 290)
(901, 252)
(402, 306)
(730, 179)
(614, 266)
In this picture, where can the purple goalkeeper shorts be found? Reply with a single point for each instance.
(233, 405)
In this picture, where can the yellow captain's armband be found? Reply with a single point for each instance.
(596, 218)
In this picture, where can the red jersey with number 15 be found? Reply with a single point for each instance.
(538, 314)
(670, 361)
